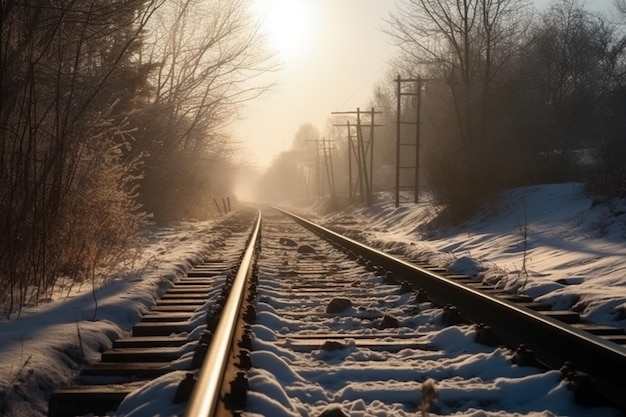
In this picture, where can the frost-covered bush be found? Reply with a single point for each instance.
(90, 227)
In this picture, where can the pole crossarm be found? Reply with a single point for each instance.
(356, 112)
(368, 125)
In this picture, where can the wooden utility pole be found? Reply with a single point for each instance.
(349, 161)
(318, 181)
(332, 170)
(371, 146)
(417, 139)
(322, 150)
(398, 118)
(351, 152)
(361, 152)
(418, 82)
(362, 156)
(328, 163)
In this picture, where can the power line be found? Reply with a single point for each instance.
(369, 80)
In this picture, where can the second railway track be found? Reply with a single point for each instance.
(352, 332)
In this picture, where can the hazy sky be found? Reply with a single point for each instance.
(332, 54)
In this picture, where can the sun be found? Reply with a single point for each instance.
(289, 25)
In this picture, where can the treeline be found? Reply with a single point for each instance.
(295, 174)
(112, 114)
(513, 96)
(517, 97)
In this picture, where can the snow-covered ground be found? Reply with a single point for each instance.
(45, 347)
(291, 379)
(550, 242)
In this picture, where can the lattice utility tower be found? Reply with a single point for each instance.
(417, 92)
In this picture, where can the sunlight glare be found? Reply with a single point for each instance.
(289, 24)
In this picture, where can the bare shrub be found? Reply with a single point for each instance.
(63, 182)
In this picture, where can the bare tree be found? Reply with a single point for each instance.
(466, 42)
(608, 178)
(58, 123)
(566, 50)
(470, 46)
(90, 100)
(207, 56)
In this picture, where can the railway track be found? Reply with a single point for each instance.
(168, 346)
(319, 328)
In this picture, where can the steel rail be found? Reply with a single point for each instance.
(552, 341)
(205, 397)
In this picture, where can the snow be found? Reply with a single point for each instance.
(572, 257)
(45, 347)
(155, 399)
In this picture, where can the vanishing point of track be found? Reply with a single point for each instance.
(312, 293)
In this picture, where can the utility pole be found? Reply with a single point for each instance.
(322, 150)
(398, 117)
(349, 160)
(362, 156)
(418, 82)
(371, 146)
(318, 182)
(361, 152)
(351, 153)
(328, 163)
(417, 139)
(332, 170)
